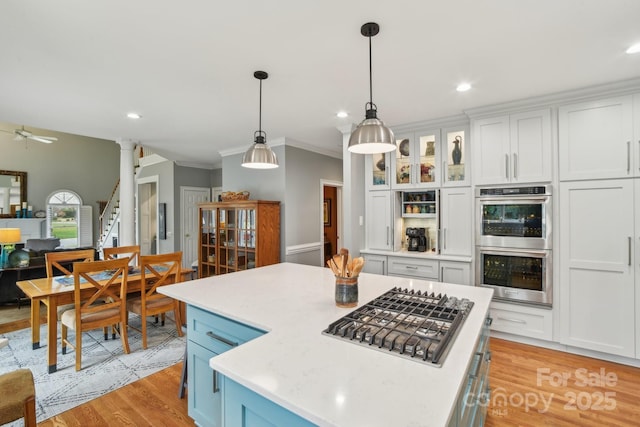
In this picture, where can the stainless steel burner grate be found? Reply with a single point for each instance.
(419, 326)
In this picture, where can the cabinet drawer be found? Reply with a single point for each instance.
(215, 332)
(418, 268)
(521, 320)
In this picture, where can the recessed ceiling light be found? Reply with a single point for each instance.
(134, 115)
(342, 114)
(634, 49)
(463, 87)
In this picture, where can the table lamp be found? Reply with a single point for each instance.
(8, 237)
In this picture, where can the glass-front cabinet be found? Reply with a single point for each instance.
(377, 171)
(207, 257)
(416, 160)
(454, 163)
(238, 236)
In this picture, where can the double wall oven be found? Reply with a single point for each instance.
(514, 243)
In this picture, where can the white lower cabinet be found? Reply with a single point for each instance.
(597, 277)
(426, 269)
(375, 264)
(522, 320)
(458, 272)
(379, 220)
(455, 272)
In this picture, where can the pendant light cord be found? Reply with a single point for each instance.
(370, 76)
(260, 111)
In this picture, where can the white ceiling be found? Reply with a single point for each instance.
(78, 66)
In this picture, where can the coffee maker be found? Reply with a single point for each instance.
(416, 239)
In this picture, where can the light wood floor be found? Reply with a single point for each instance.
(530, 386)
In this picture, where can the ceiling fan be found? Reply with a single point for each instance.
(22, 134)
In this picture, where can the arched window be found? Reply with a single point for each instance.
(63, 217)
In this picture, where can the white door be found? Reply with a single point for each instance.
(596, 268)
(189, 199)
(148, 213)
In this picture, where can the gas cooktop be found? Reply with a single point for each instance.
(407, 323)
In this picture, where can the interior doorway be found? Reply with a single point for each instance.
(330, 219)
(148, 218)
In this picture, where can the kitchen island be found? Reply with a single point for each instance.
(288, 362)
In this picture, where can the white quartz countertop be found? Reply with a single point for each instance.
(323, 379)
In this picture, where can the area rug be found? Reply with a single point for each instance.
(105, 366)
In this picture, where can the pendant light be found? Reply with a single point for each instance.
(371, 136)
(259, 155)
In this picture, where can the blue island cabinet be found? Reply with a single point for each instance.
(245, 408)
(209, 335)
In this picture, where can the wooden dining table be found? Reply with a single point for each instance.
(53, 294)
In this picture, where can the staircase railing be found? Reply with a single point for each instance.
(109, 214)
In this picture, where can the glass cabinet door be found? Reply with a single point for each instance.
(455, 152)
(208, 242)
(377, 171)
(403, 161)
(246, 239)
(428, 150)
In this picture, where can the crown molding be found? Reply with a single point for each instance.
(558, 98)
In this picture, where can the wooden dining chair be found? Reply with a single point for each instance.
(60, 260)
(108, 280)
(132, 252)
(157, 270)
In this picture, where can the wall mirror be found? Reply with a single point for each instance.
(13, 192)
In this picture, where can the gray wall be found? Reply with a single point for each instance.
(87, 166)
(296, 184)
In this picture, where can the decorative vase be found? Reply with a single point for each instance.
(456, 153)
(430, 151)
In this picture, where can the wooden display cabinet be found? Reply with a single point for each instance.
(238, 235)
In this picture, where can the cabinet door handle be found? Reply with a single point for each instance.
(506, 166)
(480, 356)
(215, 387)
(515, 166)
(628, 156)
(629, 248)
(387, 235)
(509, 319)
(222, 339)
(445, 172)
(444, 238)
(411, 267)
(639, 154)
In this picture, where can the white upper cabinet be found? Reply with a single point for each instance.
(377, 171)
(596, 139)
(513, 148)
(417, 160)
